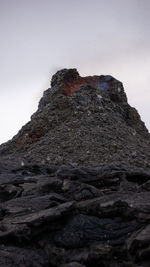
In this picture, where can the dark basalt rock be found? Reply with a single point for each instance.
(66, 216)
(75, 180)
(83, 230)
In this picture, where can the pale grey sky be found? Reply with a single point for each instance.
(38, 37)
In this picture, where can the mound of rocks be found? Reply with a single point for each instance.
(84, 121)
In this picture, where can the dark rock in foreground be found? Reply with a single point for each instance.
(65, 216)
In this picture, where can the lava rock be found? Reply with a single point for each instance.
(52, 222)
(75, 180)
(82, 121)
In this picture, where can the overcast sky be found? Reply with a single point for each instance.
(38, 37)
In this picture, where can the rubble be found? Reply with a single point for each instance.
(84, 121)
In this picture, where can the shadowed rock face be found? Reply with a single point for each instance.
(71, 190)
(82, 121)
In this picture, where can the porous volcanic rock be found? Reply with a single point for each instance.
(84, 121)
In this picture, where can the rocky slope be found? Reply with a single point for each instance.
(75, 180)
(83, 121)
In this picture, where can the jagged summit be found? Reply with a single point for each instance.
(82, 121)
(66, 81)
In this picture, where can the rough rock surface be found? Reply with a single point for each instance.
(75, 180)
(67, 216)
(83, 121)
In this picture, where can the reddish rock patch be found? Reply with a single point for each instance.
(30, 138)
(69, 87)
(69, 80)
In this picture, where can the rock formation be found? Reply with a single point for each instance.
(75, 180)
(83, 121)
